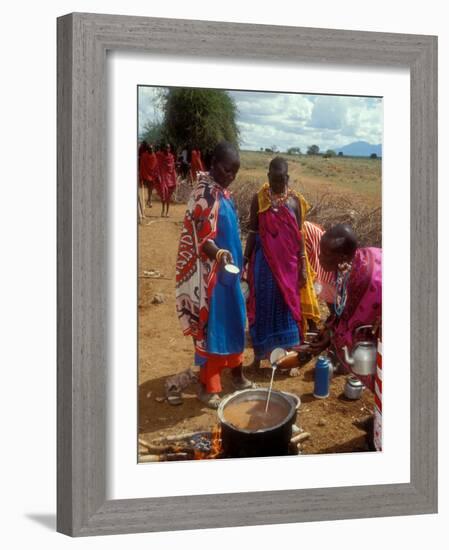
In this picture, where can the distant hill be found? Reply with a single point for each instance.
(360, 149)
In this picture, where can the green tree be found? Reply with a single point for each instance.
(329, 153)
(373, 156)
(199, 118)
(154, 133)
(313, 150)
(294, 151)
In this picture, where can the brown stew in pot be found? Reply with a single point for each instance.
(250, 415)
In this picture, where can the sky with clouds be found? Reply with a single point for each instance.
(292, 120)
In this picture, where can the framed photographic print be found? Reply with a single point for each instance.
(170, 286)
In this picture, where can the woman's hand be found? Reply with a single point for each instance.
(223, 257)
(321, 342)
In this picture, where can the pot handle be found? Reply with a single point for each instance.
(362, 328)
(294, 398)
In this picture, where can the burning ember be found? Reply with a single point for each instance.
(189, 446)
(208, 447)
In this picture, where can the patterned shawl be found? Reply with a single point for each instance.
(196, 274)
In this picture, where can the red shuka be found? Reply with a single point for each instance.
(148, 167)
(196, 164)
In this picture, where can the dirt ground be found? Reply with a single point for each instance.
(164, 351)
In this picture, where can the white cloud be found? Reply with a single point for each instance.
(148, 106)
(296, 120)
(329, 112)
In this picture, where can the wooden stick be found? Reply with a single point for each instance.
(300, 437)
(144, 443)
(150, 458)
(155, 278)
(161, 448)
(180, 437)
(166, 457)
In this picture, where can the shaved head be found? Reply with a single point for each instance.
(225, 151)
(337, 245)
(341, 238)
(278, 165)
(278, 175)
(225, 163)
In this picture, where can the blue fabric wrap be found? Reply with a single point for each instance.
(274, 326)
(227, 314)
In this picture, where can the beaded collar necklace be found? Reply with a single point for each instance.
(341, 294)
(278, 200)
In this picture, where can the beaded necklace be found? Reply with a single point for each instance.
(277, 200)
(341, 294)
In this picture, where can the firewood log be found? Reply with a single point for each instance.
(300, 437)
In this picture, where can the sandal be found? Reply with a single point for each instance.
(174, 396)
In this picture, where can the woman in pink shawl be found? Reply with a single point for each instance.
(358, 299)
(276, 265)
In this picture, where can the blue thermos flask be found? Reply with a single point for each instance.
(321, 388)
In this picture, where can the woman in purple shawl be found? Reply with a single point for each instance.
(358, 299)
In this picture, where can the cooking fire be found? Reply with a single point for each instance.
(201, 445)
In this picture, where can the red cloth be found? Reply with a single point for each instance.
(210, 374)
(281, 240)
(148, 167)
(325, 289)
(166, 162)
(196, 164)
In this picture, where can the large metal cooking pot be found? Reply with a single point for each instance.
(273, 441)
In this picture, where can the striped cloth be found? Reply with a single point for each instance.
(378, 400)
(325, 280)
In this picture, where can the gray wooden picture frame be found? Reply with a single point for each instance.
(83, 40)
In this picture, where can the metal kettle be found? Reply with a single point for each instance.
(364, 353)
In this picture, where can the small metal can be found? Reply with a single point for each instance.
(353, 388)
(321, 388)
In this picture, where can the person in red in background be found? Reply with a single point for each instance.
(140, 185)
(196, 164)
(148, 172)
(167, 172)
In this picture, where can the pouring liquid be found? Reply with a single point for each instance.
(271, 387)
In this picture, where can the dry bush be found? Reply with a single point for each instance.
(183, 190)
(327, 209)
(243, 194)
